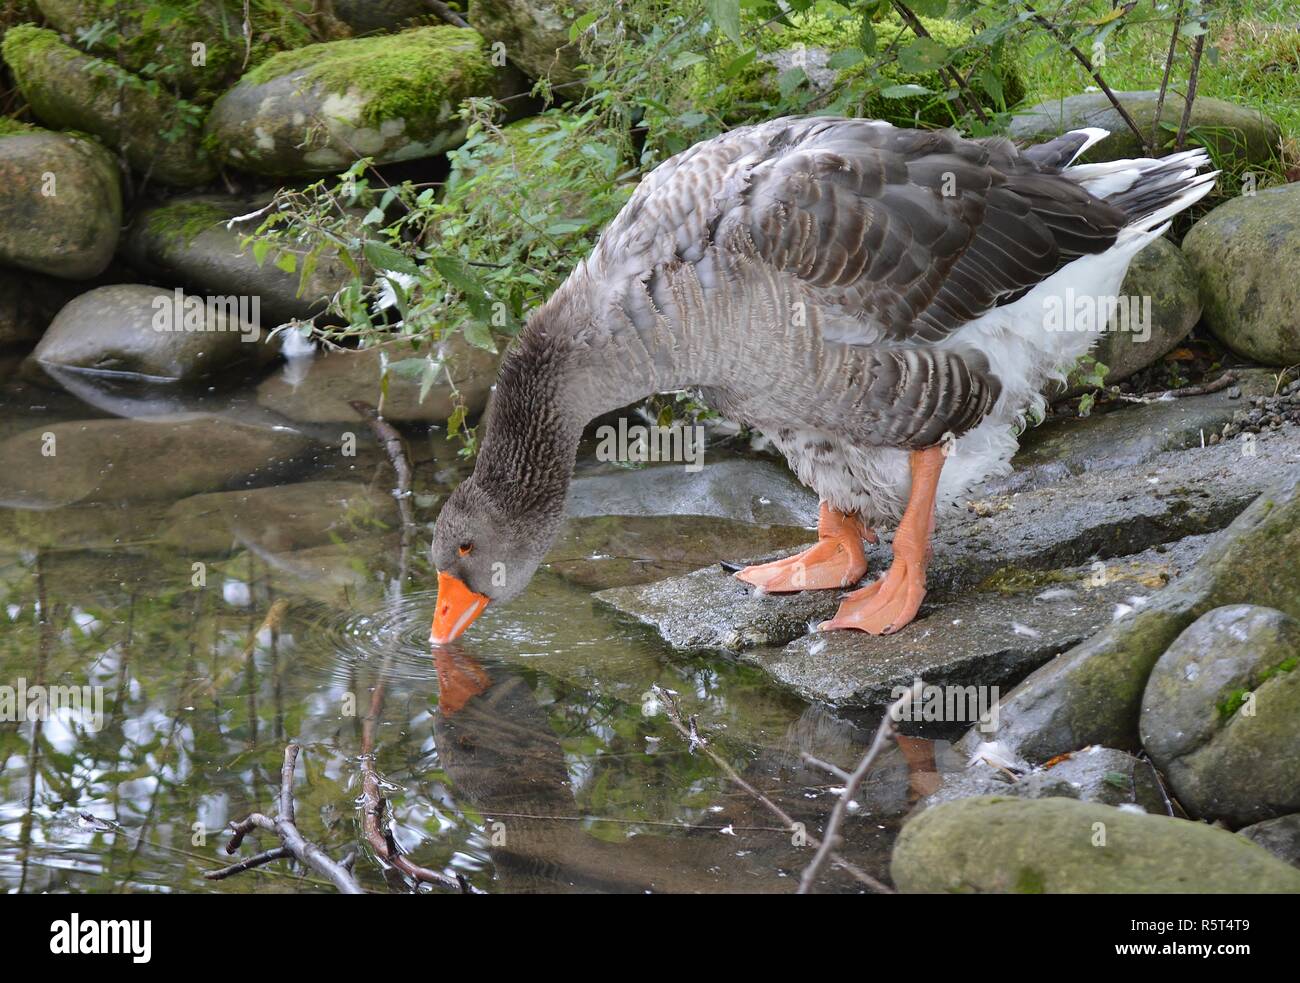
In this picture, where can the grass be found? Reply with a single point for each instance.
(1252, 58)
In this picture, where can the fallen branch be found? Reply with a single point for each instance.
(285, 827)
(446, 13)
(387, 435)
(884, 734)
(690, 730)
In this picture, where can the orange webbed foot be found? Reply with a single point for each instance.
(835, 561)
(885, 606)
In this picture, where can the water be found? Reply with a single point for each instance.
(532, 756)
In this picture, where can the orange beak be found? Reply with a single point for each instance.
(457, 607)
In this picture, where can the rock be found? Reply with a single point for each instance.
(1123, 438)
(1230, 132)
(991, 636)
(62, 203)
(318, 109)
(28, 303)
(132, 328)
(321, 392)
(745, 490)
(93, 526)
(1166, 498)
(1280, 837)
(186, 241)
(165, 46)
(158, 134)
(993, 845)
(1237, 251)
(279, 518)
(1093, 693)
(598, 552)
(1161, 276)
(1095, 774)
(535, 34)
(1218, 708)
(372, 16)
(142, 460)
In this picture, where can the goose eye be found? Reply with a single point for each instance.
(464, 549)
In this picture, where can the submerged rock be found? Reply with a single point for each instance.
(320, 390)
(157, 133)
(209, 32)
(278, 518)
(1221, 705)
(148, 331)
(1093, 693)
(142, 460)
(320, 108)
(1095, 774)
(1232, 132)
(1280, 837)
(187, 241)
(992, 845)
(62, 202)
(1238, 251)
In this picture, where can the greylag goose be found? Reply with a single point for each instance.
(871, 298)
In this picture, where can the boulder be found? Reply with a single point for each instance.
(1231, 132)
(1162, 277)
(142, 460)
(320, 108)
(186, 240)
(209, 32)
(62, 203)
(535, 34)
(159, 135)
(1221, 706)
(1241, 253)
(148, 331)
(378, 16)
(321, 391)
(1093, 693)
(993, 845)
(1280, 837)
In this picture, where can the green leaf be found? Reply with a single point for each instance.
(260, 248)
(581, 24)
(847, 58)
(382, 256)
(737, 64)
(287, 262)
(867, 35)
(725, 17)
(903, 91)
(923, 55)
(478, 334)
(790, 80)
(929, 8)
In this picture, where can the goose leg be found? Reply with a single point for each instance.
(836, 561)
(889, 603)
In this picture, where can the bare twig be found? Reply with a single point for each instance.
(1082, 59)
(278, 853)
(446, 13)
(1164, 80)
(396, 450)
(697, 741)
(919, 30)
(283, 826)
(884, 734)
(1192, 79)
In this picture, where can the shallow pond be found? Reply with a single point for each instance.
(213, 629)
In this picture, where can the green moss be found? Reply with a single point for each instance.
(184, 220)
(11, 127)
(409, 76)
(1012, 580)
(1030, 881)
(156, 39)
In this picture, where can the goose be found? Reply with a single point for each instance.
(874, 299)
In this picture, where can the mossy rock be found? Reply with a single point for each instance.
(1221, 703)
(187, 241)
(158, 134)
(1236, 136)
(1245, 253)
(320, 108)
(812, 43)
(1161, 275)
(167, 39)
(993, 845)
(535, 34)
(61, 201)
